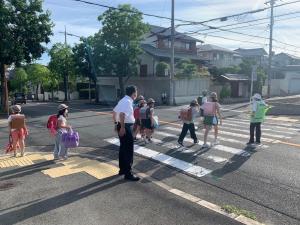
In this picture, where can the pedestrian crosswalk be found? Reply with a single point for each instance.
(199, 162)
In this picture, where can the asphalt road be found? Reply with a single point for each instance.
(264, 180)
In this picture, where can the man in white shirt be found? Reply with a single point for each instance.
(124, 119)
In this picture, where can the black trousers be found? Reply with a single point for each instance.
(126, 150)
(188, 127)
(257, 128)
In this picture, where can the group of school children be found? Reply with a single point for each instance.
(208, 109)
(145, 121)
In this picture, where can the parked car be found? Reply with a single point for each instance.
(19, 98)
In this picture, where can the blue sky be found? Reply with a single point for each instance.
(81, 19)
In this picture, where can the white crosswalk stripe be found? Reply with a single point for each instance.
(288, 125)
(217, 147)
(274, 126)
(231, 124)
(233, 136)
(246, 131)
(166, 159)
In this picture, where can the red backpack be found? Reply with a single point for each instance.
(186, 114)
(52, 124)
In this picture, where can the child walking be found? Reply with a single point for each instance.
(17, 129)
(212, 115)
(137, 127)
(60, 151)
(147, 116)
(188, 123)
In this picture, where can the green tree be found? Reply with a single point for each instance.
(39, 76)
(84, 61)
(62, 64)
(24, 27)
(122, 32)
(161, 68)
(19, 81)
(186, 69)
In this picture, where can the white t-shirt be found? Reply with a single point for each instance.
(125, 105)
(63, 122)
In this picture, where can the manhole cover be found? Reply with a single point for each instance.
(6, 185)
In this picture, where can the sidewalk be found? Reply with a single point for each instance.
(56, 191)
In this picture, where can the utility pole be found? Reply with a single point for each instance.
(172, 88)
(66, 80)
(272, 2)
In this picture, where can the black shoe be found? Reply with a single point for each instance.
(196, 142)
(180, 143)
(131, 177)
(250, 143)
(121, 173)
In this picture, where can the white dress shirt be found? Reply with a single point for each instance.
(125, 105)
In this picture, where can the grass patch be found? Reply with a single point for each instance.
(237, 211)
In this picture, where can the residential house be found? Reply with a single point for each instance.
(284, 59)
(286, 80)
(259, 55)
(218, 57)
(157, 48)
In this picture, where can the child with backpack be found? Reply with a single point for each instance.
(137, 125)
(258, 111)
(17, 129)
(147, 118)
(60, 151)
(188, 116)
(212, 115)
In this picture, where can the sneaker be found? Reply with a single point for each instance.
(216, 142)
(258, 143)
(196, 142)
(180, 143)
(205, 146)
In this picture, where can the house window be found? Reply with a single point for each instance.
(167, 43)
(188, 46)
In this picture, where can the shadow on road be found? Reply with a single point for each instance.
(58, 201)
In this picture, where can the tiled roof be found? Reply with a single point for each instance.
(162, 31)
(208, 47)
(251, 52)
(167, 54)
(288, 55)
(235, 77)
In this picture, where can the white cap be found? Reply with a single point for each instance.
(257, 96)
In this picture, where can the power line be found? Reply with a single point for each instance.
(250, 42)
(255, 24)
(249, 21)
(182, 20)
(244, 13)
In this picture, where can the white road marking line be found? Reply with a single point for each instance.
(216, 159)
(219, 137)
(182, 194)
(189, 168)
(181, 149)
(223, 148)
(246, 131)
(272, 125)
(263, 129)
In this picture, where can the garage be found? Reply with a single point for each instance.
(294, 86)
